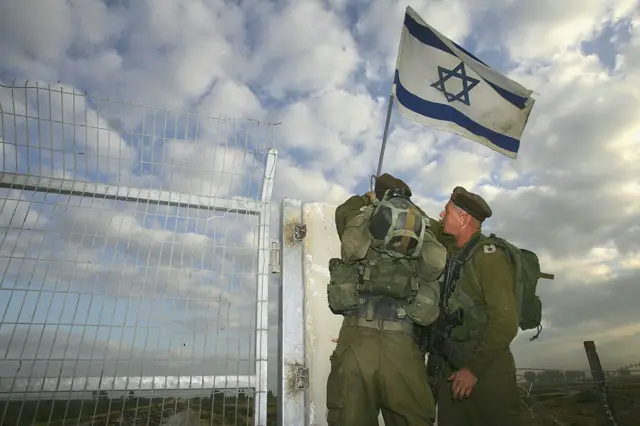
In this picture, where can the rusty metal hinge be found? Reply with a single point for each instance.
(299, 232)
(302, 377)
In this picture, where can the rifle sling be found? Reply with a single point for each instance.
(455, 266)
(446, 348)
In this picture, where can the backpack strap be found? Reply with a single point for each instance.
(465, 257)
(452, 270)
(470, 271)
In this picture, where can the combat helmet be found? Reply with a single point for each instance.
(397, 225)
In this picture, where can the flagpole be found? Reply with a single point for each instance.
(386, 133)
(391, 98)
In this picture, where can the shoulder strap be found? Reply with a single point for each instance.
(463, 257)
(497, 242)
(452, 270)
(482, 240)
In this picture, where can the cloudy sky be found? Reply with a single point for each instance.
(322, 69)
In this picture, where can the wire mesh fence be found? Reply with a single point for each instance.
(570, 397)
(133, 262)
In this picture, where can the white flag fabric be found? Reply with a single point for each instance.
(439, 84)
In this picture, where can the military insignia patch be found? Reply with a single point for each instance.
(489, 248)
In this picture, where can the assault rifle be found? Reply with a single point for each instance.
(435, 339)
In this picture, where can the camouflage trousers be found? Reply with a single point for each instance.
(376, 366)
(494, 401)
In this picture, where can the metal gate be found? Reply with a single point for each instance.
(134, 262)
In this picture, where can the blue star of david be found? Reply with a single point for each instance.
(468, 83)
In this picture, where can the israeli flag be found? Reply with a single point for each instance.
(439, 84)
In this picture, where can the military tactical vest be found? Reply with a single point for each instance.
(388, 250)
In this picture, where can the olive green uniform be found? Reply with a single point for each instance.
(376, 365)
(484, 338)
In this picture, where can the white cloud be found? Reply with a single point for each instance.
(304, 49)
(561, 25)
(547, 29)
(205, 169)
(308, 185)
(455, 168)
(321, 124)
(45, 42)
(409, 148)
(229, 98)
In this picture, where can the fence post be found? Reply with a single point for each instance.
(600, 382)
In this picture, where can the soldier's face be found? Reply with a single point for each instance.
(450, 219)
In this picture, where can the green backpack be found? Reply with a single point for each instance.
(527, 273)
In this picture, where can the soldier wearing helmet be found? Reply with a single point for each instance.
(383, 284)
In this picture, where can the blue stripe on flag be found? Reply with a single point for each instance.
(448, 113)
(428, 37)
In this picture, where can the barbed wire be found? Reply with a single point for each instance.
(560, 399)
(537, 408)
(559, 396)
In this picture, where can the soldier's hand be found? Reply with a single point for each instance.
(462, 384)
(371, 196)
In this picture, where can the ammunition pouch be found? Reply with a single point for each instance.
(423, 308)
(390, 277)
(356, 238)
(432, 259)
(344, 282)
(472, 316)
(468, 326)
